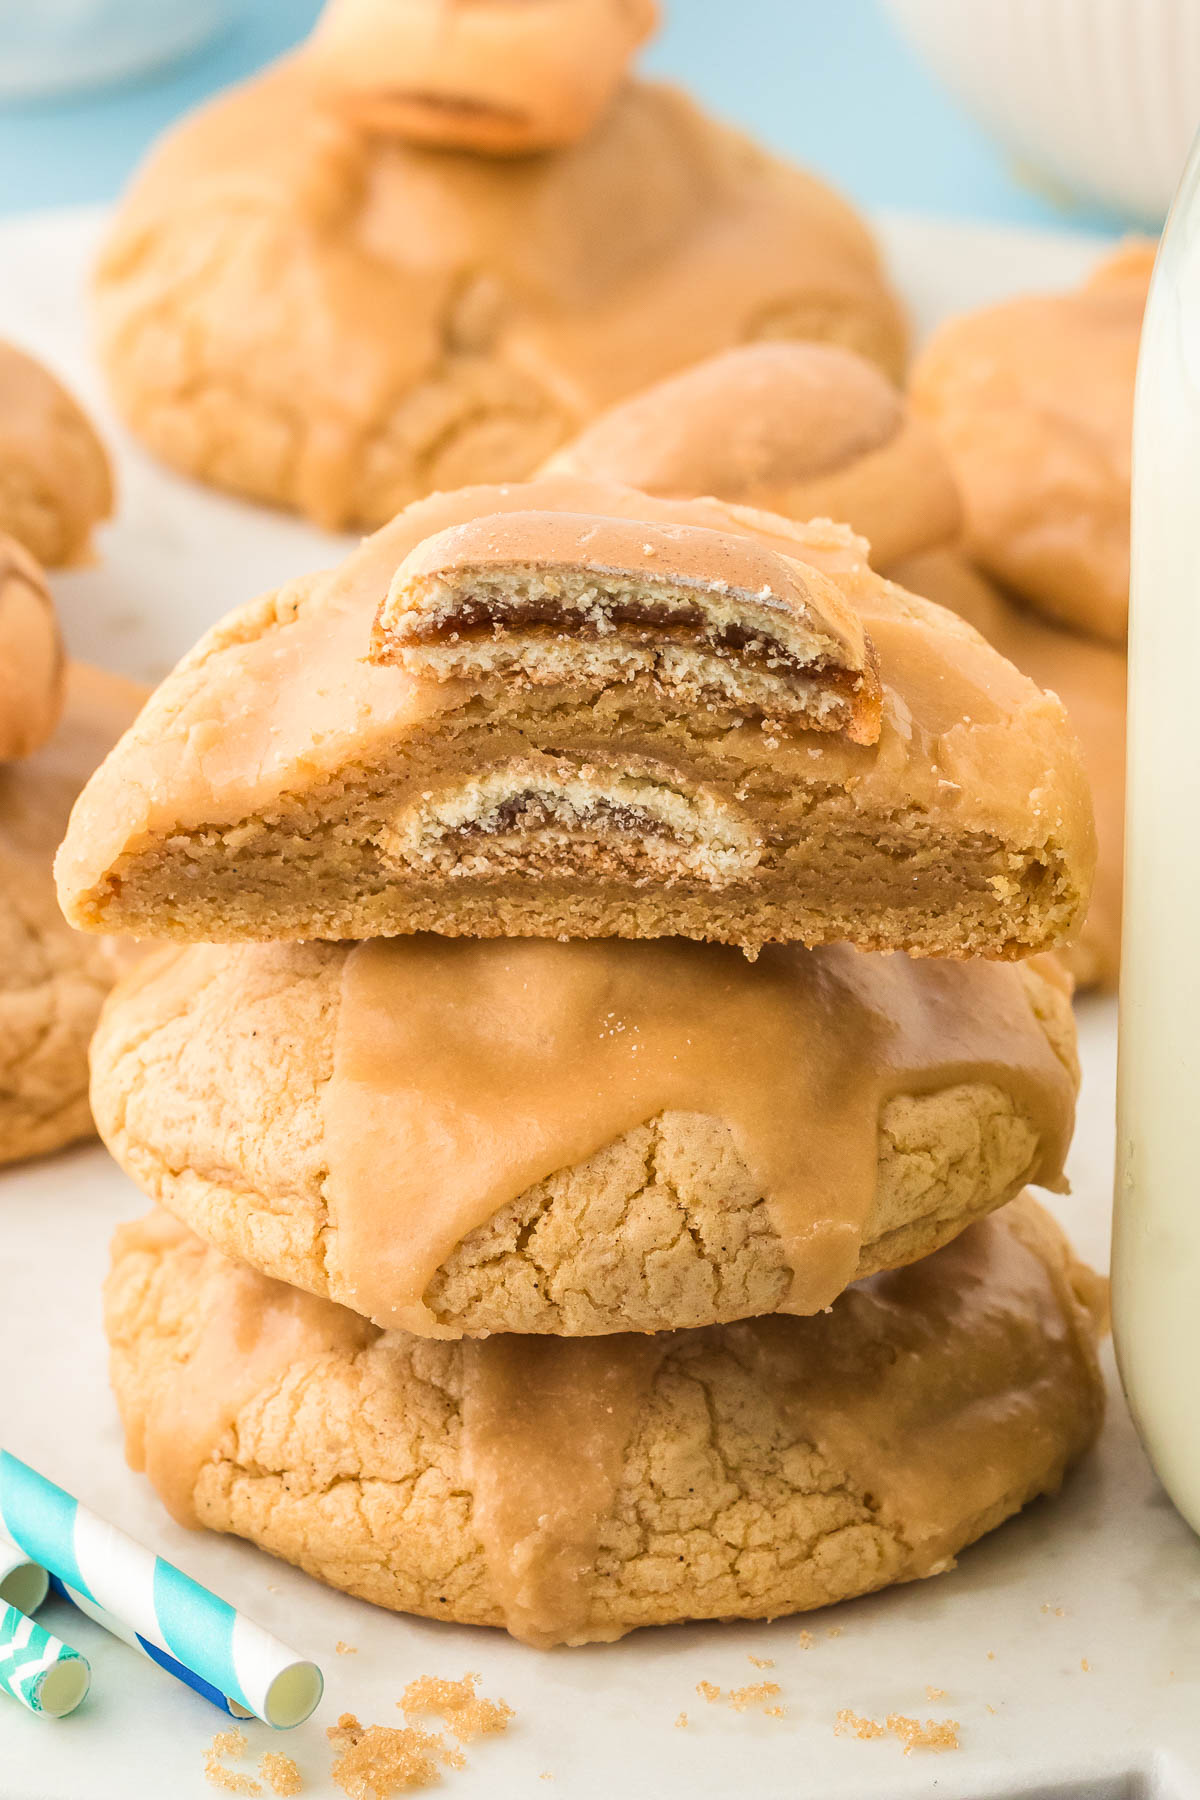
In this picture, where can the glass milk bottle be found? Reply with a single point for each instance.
(1156, 1246)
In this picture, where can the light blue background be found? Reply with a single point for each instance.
(828, 81)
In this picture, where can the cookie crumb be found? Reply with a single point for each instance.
(806, 1640)
(834, 1631)
(1060, 1612)
(346, 1649)
(850, 1724)
(991, 1709)
(281, 1772)
(708, 1692)
(762, 1662)
(681, 1722)
(228, 1743)
(546, 1775)
(376, 1761)
(755, 1695)
(991, 1656)
(1085, 1665)
(935, 1734)
(934, 1693)
(457, 1705)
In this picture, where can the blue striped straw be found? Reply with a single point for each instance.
(23, 1584)
(40, 1671)
(118, 1629)
(168, 1611)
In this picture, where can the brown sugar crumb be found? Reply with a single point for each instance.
(756, 1694)
(708, 1692)
(456, 1703)
(935, 1734)
(281, 1772)
(346, 1649)
(932, 1693)
(681, 1722)
(376, 1761)
(762, 1662)
(849, 1724)
(806, 1640)
(228, 1743)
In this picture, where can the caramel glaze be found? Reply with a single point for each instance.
(466, 1071)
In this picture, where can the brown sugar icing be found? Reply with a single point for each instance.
(297, 700)
(466, 1071)
(546, 1423)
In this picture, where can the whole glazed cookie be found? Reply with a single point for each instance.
(564, 708)
(574, 1490)
(32, 663)
(314, 296)
(1033, 400)
(1089, 678)
(812, 431)
(580, 1138)
(52, 979)
(55, 478)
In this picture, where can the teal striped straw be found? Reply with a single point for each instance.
(40, 1671)
(165, 1608)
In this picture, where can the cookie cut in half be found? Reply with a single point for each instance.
(281, 784)
(583, 603)
(571, 1491)
(581, 1138)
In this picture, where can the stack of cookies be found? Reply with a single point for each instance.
(592, 1080)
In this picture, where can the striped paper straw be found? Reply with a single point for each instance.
(119, 1629)
(23, 1584)
(40, 1671)
(162, 1606)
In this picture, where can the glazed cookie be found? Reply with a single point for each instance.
(1089, 679)
(648, 765)
(55, 480)
(574, 1490)
(811, 431)
(579, 1138)
(1033, 400)
(32, 665)
(314, 296)
(52, 979)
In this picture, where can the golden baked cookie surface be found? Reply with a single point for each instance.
(575, 1491)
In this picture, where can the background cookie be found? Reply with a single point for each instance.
(812, 431)
(324, 315)
(214, 1087)
(52, 979)
(55, 479)
(744, 1471)
(1089, 679)
(1034, 403)
(32, 665)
